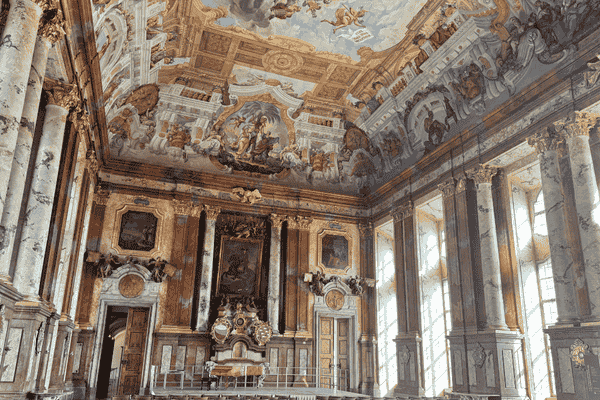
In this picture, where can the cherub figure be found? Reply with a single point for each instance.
(347, 17)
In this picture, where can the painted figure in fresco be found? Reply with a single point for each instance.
(284, 10)
(313, 7)
(470, 83)
(347, 17)
(263, 147)
(239, 278)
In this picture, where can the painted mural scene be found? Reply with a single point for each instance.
(299, 199)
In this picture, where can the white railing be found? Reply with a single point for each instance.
(196, 377)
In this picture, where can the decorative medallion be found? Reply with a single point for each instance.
(220, 330)
(262, 332)
(578, 350)
(282, 62)
(335, 299)
(404, 355)
(479, 356)
(131, 286)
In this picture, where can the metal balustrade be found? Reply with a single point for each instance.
(196, 377)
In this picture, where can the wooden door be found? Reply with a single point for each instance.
(326, 353)
(343, 353)
(133, 352)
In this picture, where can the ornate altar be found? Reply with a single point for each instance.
(239, 338)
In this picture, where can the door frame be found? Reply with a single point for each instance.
(348, 311)
(111, 296)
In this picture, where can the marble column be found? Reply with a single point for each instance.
(275, 272)
(546, 144)
(16, 183)
(490, 260)
(409, 348)
(207, 268)
(72, 306)
(16, 54)
(30, 258)
(576, 128)
(448, 189)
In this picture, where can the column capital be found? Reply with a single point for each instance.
(212, 212)
(448, 188)
(277, 220)
(461, 184)
(182, 207)
(404, 210)
(299, 222)
(366, 229)
(545, 140)
(101, 196)
(482, 173)
(61, 94)
(51, 28)
(577, 123)
(46, 5)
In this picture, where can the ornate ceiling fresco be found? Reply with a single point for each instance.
(331, 95)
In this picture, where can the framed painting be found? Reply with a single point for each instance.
(240, 264)
(138, 231)
(334, 251)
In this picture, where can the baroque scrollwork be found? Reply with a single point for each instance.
(106, 264)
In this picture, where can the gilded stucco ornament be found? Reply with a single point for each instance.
(101, 196)
(52, 25)
(212, 212)
(61, 94)
(80, 118)
(131, 286)
(220, 330)
(246, 195)
(91, 163)
(578, 352)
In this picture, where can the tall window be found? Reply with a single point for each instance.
(537, 284)
(435, 298)
(387, 316)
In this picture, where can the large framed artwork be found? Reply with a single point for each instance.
(137, 231)
(334, 251)
(240, 264)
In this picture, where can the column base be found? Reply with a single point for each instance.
(575, 351)
(408, 353)
(488, 363)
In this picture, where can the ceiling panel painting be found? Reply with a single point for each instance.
(332, 95)
(329, 25)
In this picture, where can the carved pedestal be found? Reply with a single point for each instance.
(409, 352)
(575, 353)
(488, 363)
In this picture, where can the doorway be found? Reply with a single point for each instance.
(121, 362)
(334, 353)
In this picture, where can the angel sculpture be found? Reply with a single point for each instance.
(347, 17)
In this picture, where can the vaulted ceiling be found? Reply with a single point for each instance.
(331, 95)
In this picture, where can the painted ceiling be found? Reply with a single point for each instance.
(322, 94)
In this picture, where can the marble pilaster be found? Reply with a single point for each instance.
(275, 271)
(546, 144)
(490, 260)
(32, 248)
(207, 268)
(576, 129)
(16, 184)
(17, 46)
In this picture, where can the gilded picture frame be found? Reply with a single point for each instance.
(240, 267)
(153, 238)
(334, 251)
